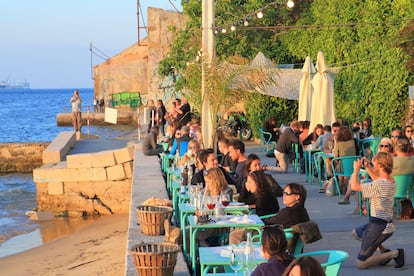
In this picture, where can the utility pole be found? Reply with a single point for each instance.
(208, 47)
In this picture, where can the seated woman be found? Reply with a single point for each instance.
(270, 126)
(304, 266)
(216, 185)
(265, 201)
(189, 156)
(294, 197)
(274, 246)
(311, 139)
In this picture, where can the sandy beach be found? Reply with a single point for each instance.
(97, 248)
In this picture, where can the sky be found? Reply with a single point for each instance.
(46, 42)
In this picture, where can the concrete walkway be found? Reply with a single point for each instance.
(336, 223)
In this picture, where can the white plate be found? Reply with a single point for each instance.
(236, 204)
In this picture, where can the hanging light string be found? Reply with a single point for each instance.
(292, 27)
(258, 13)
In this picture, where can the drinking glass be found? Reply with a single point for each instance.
(225, 199)
(236, 261)
(211, 202)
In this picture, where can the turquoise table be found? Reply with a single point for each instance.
(186, 209)
(211, 257)
(253, 222)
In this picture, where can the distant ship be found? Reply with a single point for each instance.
(20, 85)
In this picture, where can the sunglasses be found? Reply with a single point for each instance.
(395, 136)
(384, 146)
(288, 193)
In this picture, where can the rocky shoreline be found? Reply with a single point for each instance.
(22, 157)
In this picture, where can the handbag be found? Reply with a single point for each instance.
(308, 231)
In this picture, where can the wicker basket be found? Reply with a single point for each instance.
(155, 259)
(151, 219)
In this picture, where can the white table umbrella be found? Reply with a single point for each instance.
(323, 102)
(305, 91)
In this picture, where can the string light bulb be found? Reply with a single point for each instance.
(260, 14)
(223, 30)
(290, 4)
(246, 23)
(233, 28)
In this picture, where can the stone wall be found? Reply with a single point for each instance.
(87, 183)
(135, 68)
(21, 157)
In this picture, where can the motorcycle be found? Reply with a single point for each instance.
(237, 126)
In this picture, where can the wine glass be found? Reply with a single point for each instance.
(235, 261)
(211, 202)
(225, 199)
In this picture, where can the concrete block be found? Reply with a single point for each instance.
(103, 159)
(116, 172)
(123, 155)
(74, 161)
(55, 188)
(87, 174)
(128, 168)
(60, 146)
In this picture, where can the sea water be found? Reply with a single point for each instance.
(29, 115)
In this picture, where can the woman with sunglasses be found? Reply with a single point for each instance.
(274, 245)
(385, 145)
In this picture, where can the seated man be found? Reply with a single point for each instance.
(209, 160)
(149, 144)
(403, 162)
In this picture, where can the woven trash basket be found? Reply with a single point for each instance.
(155, 259)
(151, 219)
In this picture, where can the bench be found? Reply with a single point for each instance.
(59, 147)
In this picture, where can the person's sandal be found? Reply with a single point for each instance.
(344, 201)
(322, 190)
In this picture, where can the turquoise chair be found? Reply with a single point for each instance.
(319, 163)
(335, 259)
(402, 182)
(268, 143)
(369, 147)
(347, 163)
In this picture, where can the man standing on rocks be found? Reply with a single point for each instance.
(76, 102)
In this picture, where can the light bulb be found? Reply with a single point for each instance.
(260, 14)
(290, 4)
(223, 31)
(232, 28)
(246, 23)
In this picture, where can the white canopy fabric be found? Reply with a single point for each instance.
(306, 91)
(323, 102)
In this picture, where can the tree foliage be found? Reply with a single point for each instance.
(372, 81)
